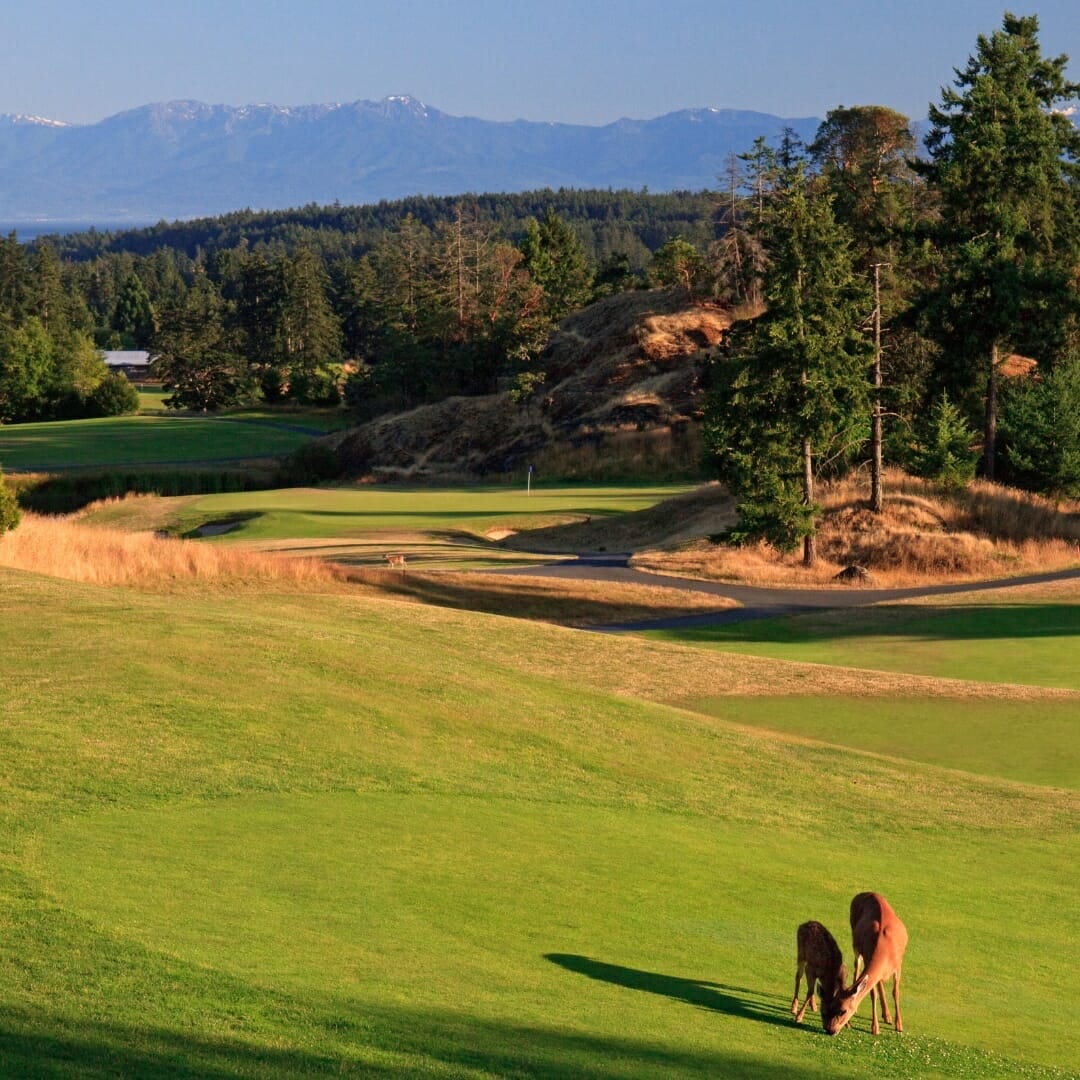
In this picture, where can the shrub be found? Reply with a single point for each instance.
(525, 384)
(64, 494)
(10, 514)
(113, 396)
(943, 452)
(310, 464)
(319, 386)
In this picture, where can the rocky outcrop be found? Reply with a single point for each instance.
(629, 363)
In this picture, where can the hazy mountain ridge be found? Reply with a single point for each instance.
(186, 158)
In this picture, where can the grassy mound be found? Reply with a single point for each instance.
(924, 535)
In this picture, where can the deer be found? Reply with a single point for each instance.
(395, 560)
(879, 939)
(820, 958)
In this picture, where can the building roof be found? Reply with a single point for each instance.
(127, 357)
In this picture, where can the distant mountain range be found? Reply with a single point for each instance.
(185, 159)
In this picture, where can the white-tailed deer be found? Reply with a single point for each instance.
(880, 939)
(395, 560)
(820, 958)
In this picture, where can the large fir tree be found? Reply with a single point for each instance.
(792, 395)
(1004, 162)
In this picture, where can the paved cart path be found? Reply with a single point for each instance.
(757, 603)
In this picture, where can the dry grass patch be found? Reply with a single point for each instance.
(751, 564)
(564, 601)
(67, 549)
(681, 333)
(924, 536)
(63, 548)
(1055, 592)
(134, 512)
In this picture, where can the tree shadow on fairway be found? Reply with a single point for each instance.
(730, 1000)
(957, 622)
(345, 1041)
(65, 1048)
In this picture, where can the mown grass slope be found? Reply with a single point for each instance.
(142, 440)
(317, 835)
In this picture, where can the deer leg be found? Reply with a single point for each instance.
(883, 1004)
(809, 1002)
(896, 999)
(802, 1012)
(875, 990)
(795, 999)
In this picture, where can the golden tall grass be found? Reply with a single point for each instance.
(68, 549)
(62, 548)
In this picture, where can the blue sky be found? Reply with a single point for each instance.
(579, 61)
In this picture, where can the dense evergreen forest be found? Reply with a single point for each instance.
(606, 223)
(391, 305)
(887, 294)
(911, 301)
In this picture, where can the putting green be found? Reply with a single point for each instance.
(310, 513)
(1035, 742)
(1033, 644)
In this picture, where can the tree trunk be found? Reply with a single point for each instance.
(877, 494)
(809, 540)
(990, 437)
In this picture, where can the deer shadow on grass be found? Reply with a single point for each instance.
(729, 1000)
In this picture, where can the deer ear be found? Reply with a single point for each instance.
(860, 986)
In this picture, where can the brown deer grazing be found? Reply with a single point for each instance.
(821, 959)
(879, 938)
(395, 560)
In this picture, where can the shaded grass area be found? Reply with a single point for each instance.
(314, 419)
(320, 836)
(149, 439)
(558, 600)
(68, 492)
(1033, 643)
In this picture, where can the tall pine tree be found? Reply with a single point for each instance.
(1004, 162)
(792, 395)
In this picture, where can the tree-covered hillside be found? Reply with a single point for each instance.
(607, 222)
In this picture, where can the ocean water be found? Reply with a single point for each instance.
(31, 230)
